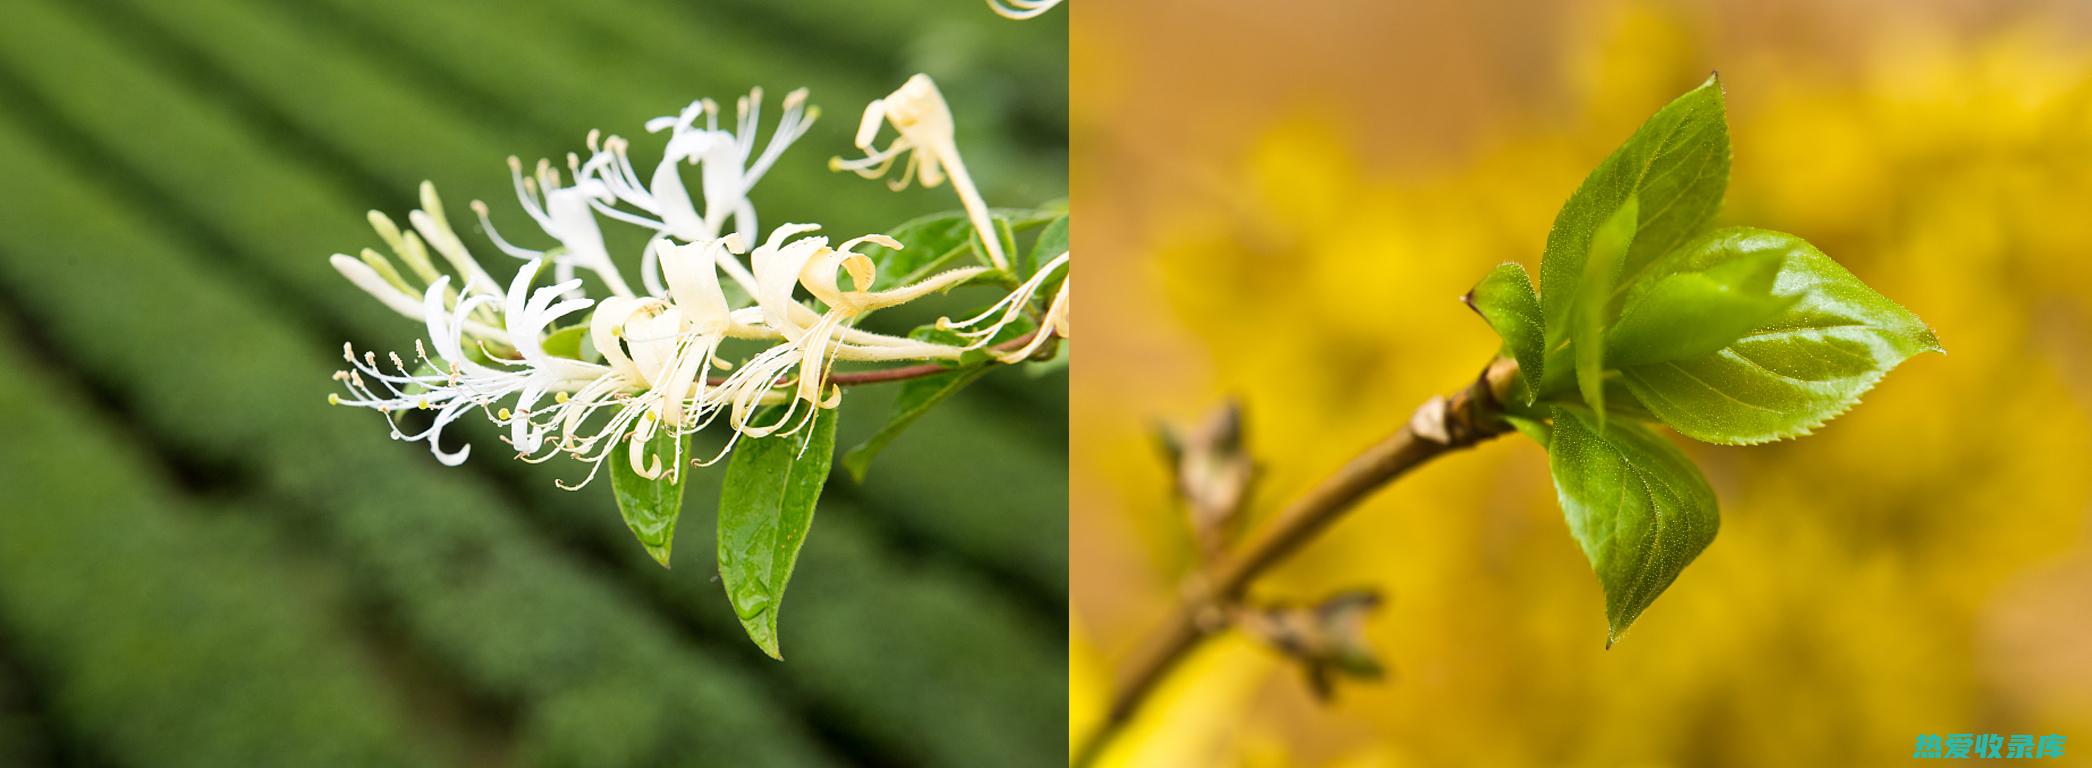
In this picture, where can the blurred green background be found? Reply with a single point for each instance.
(202, 564)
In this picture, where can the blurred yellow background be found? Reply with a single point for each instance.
(1284, 204)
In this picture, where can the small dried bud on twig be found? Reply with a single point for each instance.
(1213, 474)
(1327, 639)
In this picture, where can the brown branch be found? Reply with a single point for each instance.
(1442, 425)
(902, 373)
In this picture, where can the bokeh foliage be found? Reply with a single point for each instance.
(201, 562)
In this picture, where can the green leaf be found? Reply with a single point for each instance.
(1590, 316)
(917, 397)
(1635, 503)
(1807, 364)
(1052, 242)
(1677, 167)
(1619, 401)
(1533, 428)
(934, 243)
(650, 507)
(565, 342)
(1506, 301)
(1027, 219)
(765, 509)
(929, 243)
(425, 370)
(1680, 310)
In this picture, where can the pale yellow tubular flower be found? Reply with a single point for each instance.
(982, 328)
(699, 320)
(360, 274)
(777, 264)
(819, 277)
(1054, 323)
(643, 342)
(416, 258)
(792, 259)
(1057, 316)
(928, 149)
(381, 281)
(692, 277)
(434, 228)
(372, 272)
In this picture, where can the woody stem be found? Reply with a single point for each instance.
(917, 371)
(1441, 426)
(903, 373)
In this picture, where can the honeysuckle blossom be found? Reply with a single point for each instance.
(376, 275)
(607, 183)
(658, 352)
(1055, 320)
(653, 363)
(927, 149)
(452, 382)
(1022, 9)
(982, 328)
(814, 341)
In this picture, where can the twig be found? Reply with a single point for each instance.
(916, 371)
(1440, 426)
(906, 372)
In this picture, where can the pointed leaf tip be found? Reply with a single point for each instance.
(768, 644)
(1505, 300)
(1828, 340)
(766, 507)
(1635, 504)
(1676, 169)
(651, 506)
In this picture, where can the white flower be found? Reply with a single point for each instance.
(657, 353)
(919, 114)
(1053, 323)
(1022, 9)
(814, 341)
(452, 381)
(607, 183)
(648, 367)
